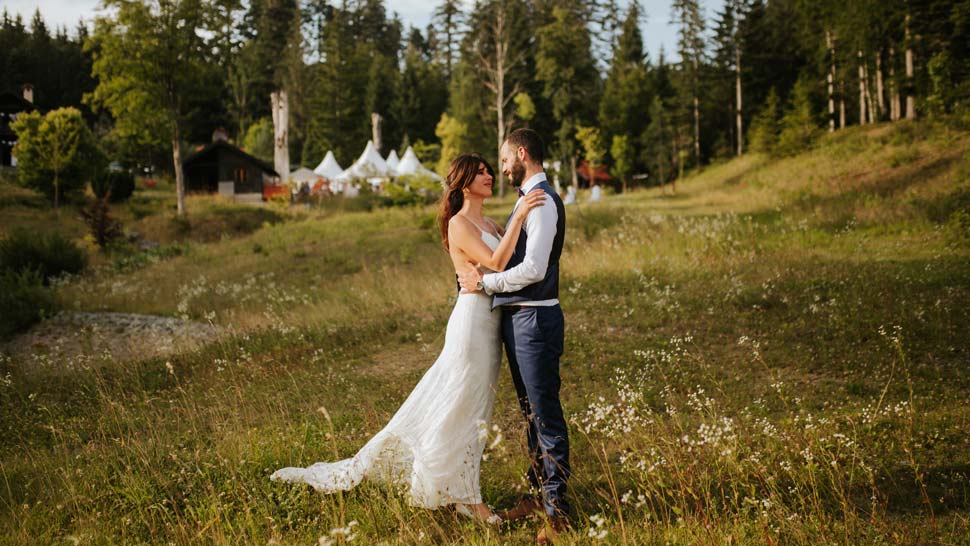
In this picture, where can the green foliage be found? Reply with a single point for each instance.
(49, 256)
(525, 109)
(624, 107)
(766, 127)
(56, 153)
(623, 155)
(656, 151)
(259, 139)
(454, 140)
(591, 140)
(429, 153)
(567, 71)
(798, 124)
(116, 186)
(24, 301)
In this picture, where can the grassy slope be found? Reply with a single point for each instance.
(775, 354)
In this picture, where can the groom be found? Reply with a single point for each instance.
(532, 329)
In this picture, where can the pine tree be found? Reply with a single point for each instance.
(691, 48)
(448, 20)
(624, 107)
(766, 126)
(566, 68)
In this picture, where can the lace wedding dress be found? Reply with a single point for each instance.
(433, 445)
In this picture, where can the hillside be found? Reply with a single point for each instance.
(775, 353)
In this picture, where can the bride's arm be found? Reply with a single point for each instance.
(464, 235)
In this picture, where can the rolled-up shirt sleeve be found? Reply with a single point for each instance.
(540, 227)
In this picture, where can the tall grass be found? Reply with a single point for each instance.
(774, 355)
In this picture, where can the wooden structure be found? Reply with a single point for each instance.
(223, 168)
(12, 105)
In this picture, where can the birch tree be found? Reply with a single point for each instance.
(499, 53)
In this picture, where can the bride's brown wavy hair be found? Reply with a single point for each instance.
(461, 173)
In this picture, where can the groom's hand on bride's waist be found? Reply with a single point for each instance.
(470, 279)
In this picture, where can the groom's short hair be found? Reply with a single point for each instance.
(530, 140)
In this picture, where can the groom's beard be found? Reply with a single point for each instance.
(517, 173)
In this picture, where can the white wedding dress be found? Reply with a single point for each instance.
(433, 445)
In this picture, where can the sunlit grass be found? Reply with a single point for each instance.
(775, 354)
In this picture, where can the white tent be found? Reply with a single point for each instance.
(329, 168)
(392, 160)
(303, 175)
(369, 165)
(410, 164)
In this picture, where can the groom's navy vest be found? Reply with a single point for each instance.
(548, 287)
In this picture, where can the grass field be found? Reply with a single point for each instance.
(776, 354)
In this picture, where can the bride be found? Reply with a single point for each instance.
(434, 443)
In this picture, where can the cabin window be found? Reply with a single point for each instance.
(239, 175)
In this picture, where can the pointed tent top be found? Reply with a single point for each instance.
(392, 160)
(303, 174)
(370, 164)
(410, 164)
(329, 168)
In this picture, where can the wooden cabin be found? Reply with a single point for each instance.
(12, 105)
(220, 167)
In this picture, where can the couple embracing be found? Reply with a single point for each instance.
(509, 288)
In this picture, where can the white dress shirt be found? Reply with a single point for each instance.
(540, 227)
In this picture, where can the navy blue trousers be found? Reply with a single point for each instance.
(533, 338)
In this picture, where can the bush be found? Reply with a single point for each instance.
(56, 152)
(765, 128)
(49, 257)
(24, 301)
(120, 184)
(102, 226)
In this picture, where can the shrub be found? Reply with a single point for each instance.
(56, 152)
(48, 256)
(798, 124)
(103, 227)
(117, 185)
(24, 301)
(765, 127)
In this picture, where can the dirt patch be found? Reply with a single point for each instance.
(119, 336)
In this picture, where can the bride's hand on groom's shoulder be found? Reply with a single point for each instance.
(468, 279)
(531, 200)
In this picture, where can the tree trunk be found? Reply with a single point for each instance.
(893, 87)
(572, 172)
(880, 89)
(910, 99)
(737, 93)
(281, 151)
(870, 103)
(375, 130)
(57, 192)
(179, 175)
(831, 79)
(500, 109)
(841, 104)
(697, 121)
(862, 91)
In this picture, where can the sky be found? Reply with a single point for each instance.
(657, 29)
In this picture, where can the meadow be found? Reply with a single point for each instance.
(776, 353)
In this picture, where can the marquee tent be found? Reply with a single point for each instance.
(393, 160)
(329, 168)
(410, 164)
(370, 165)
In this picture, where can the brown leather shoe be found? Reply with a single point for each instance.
(552, 528)
(527, 506)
